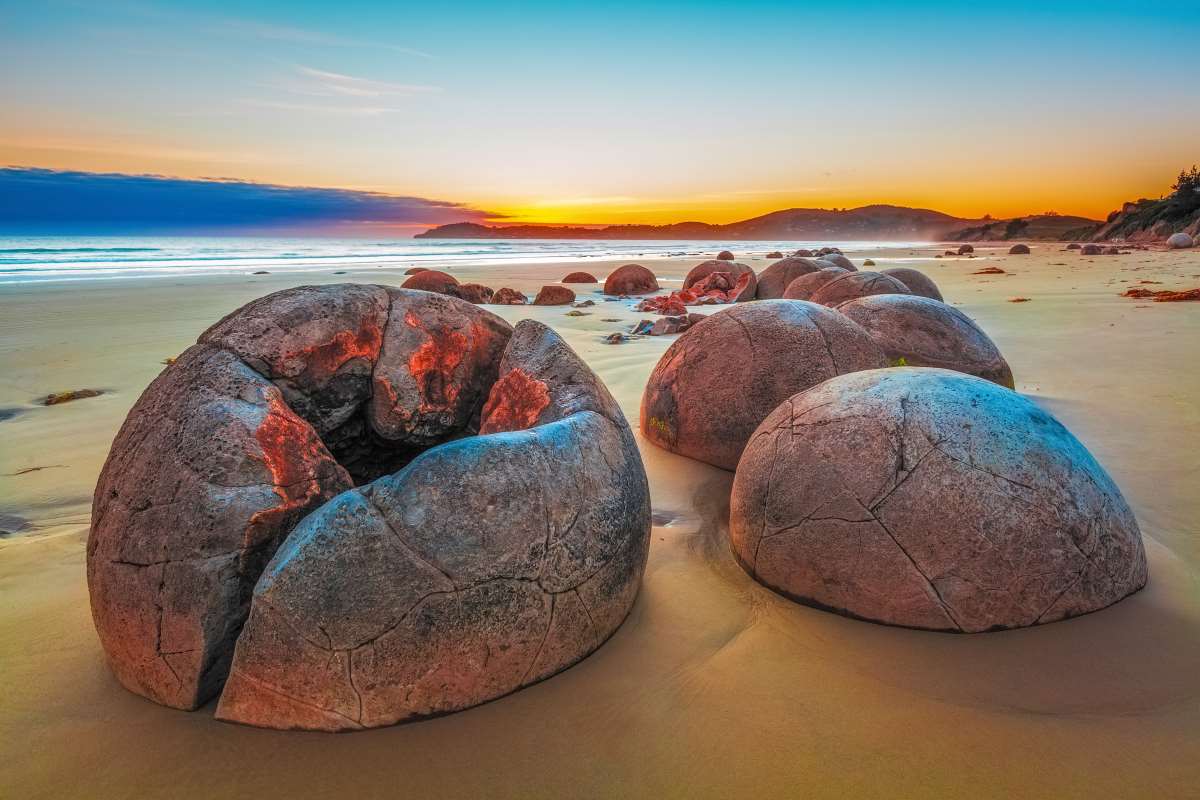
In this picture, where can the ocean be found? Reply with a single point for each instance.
(65, 258)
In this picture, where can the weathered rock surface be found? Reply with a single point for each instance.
(806, 285)
(718, 380)
(931, 499)
(209, 472)
(487, 564)
(928, 333)
(554, 295)
(735, 270)
(631, 279)
(916, 281)
(430, 280)
(774, 280)
(839, 260)
(1179, 241)
(857, 284)
(580, 277)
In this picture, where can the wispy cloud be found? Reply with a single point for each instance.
(315, 108)
(34, 199)
(321, 83)
(128, 148)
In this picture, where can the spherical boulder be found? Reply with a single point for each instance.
(802, 253)
(928, 333)
(917, 282)
(580, 277)
(280, 408)
(857, 284)
(1074, 246)
(723, 375)
(869, 263)
(965, 249)
(509, 297)
(774, 254)
(931, 499)
(415, 270)
(486, 565)
(631, 279)
(1180, 241)
(725, 255)
(804, 286)
(735, 269)
(774, 280)
(554, 295)
(839, 260)
(430, 280)
(1091, 250)
(1019, 250)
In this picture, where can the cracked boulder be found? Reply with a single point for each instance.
(916, 281)
(931, 499)
(928, 333)
(268, 417)
(736, 270)
(487, 564)
(857, 284)
(725, 374)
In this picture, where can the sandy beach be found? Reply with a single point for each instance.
(714, 686)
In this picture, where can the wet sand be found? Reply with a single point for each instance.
(714, 687)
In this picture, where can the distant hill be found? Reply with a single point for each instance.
(1045, 227)
(869, 223)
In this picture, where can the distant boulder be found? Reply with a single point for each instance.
(1074, 246)
(774, 254)
(1019, 250)
(1091, 250)
(735, 270)
(725, 255)
(802, 253)
(580, 277)
(964, 249)
(554, 295)
(509, 297)
(430, 280)
(1180, 241)
(472, 292)
(631, 279)
(918, 282)
(839, 260)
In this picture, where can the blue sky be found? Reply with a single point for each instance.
(618, 112)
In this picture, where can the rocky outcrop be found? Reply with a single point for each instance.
(961, 506)
(721, 377)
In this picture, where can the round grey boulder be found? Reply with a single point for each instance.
(917, 282)
(722, 376)
(1179, 241)
(931, 499)
(839, 260)
(857, 284)
(920, 332)
(805, 286)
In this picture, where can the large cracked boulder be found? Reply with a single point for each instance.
(774, 280)
(631, 279)
(486, 565)
(929, 333)
(931, 499)
(915, 281)
(717, 381)
(857, 284)
(736, 270)
(279, 409)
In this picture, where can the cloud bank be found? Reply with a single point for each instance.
(45, 201)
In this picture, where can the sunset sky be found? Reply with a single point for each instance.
(612, 112)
